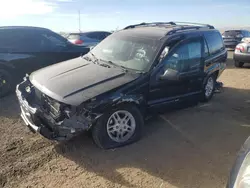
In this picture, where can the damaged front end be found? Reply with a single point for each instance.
(52, 119)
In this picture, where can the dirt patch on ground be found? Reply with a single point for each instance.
(192, 147)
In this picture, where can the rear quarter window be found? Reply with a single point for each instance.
(214, 41)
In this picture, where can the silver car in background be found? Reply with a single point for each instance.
(242, 52)
(88, 39)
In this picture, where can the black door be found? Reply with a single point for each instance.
(185, 60)
(22, 51)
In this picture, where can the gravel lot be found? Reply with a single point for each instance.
(191, 147)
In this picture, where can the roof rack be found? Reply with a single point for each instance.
(167, 24)
(144, 24)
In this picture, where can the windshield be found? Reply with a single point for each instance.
(127, 51)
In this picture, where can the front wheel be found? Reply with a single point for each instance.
(238, 64)
(118, 127)
(209, 87)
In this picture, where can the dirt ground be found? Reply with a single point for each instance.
(191, 147)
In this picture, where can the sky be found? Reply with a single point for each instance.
(63, 15)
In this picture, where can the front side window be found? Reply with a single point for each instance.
(186, 58)
(214, 41)
(127, 51)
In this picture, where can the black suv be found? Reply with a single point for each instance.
(133, 71)
(233, 37)
(26, 49)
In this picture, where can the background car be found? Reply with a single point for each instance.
(242, 52)
(26, 49)
(87, 38)
(233, 37)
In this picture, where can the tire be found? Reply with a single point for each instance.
(238, 64)
(208, 91)
(6, 83)
(103, 138)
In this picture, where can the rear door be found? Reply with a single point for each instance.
(215, 52)
(21, 49)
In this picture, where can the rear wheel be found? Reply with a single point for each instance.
(208, 89)
(118, 127)
(6, 82)
(238, 64)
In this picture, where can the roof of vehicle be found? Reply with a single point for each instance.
(235, 30)
(78, 33)
(23, 27)
(157, 30)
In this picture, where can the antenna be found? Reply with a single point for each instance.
(79, 20)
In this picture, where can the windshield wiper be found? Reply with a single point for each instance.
(96, 59)
(114, 64)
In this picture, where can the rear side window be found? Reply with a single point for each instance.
(93, 35)
(103, 35)
(214, 41)
(18, 41)
(73, 36)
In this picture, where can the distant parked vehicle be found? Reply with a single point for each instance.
(233, 37)
(26, 49)
(242, 53)
(87, 38)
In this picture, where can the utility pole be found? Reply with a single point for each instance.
(79, 20)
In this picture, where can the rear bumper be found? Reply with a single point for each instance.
(231, 44)
(243, 57)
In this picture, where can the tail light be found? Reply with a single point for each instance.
(78, 41)
(239, 48)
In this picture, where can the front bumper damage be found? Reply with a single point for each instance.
(41, 121)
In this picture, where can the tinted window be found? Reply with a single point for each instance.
(19, 41)
(214, 41)
(93, 35)
(247, 34)
(30, 41)
(52, 40)
(185, 58)
(206, 52)
(103, 35)
(232, 33)
(73, 36)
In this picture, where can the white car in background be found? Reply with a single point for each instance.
(242, 52)
(88, 39)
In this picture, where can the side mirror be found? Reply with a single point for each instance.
(170, 74)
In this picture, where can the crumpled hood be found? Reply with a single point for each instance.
(77, 80)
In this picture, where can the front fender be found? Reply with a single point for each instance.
(102, 106)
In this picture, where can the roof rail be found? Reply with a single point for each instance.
(197, 25)
(186, 28)
(149, 24)
(194, 24)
